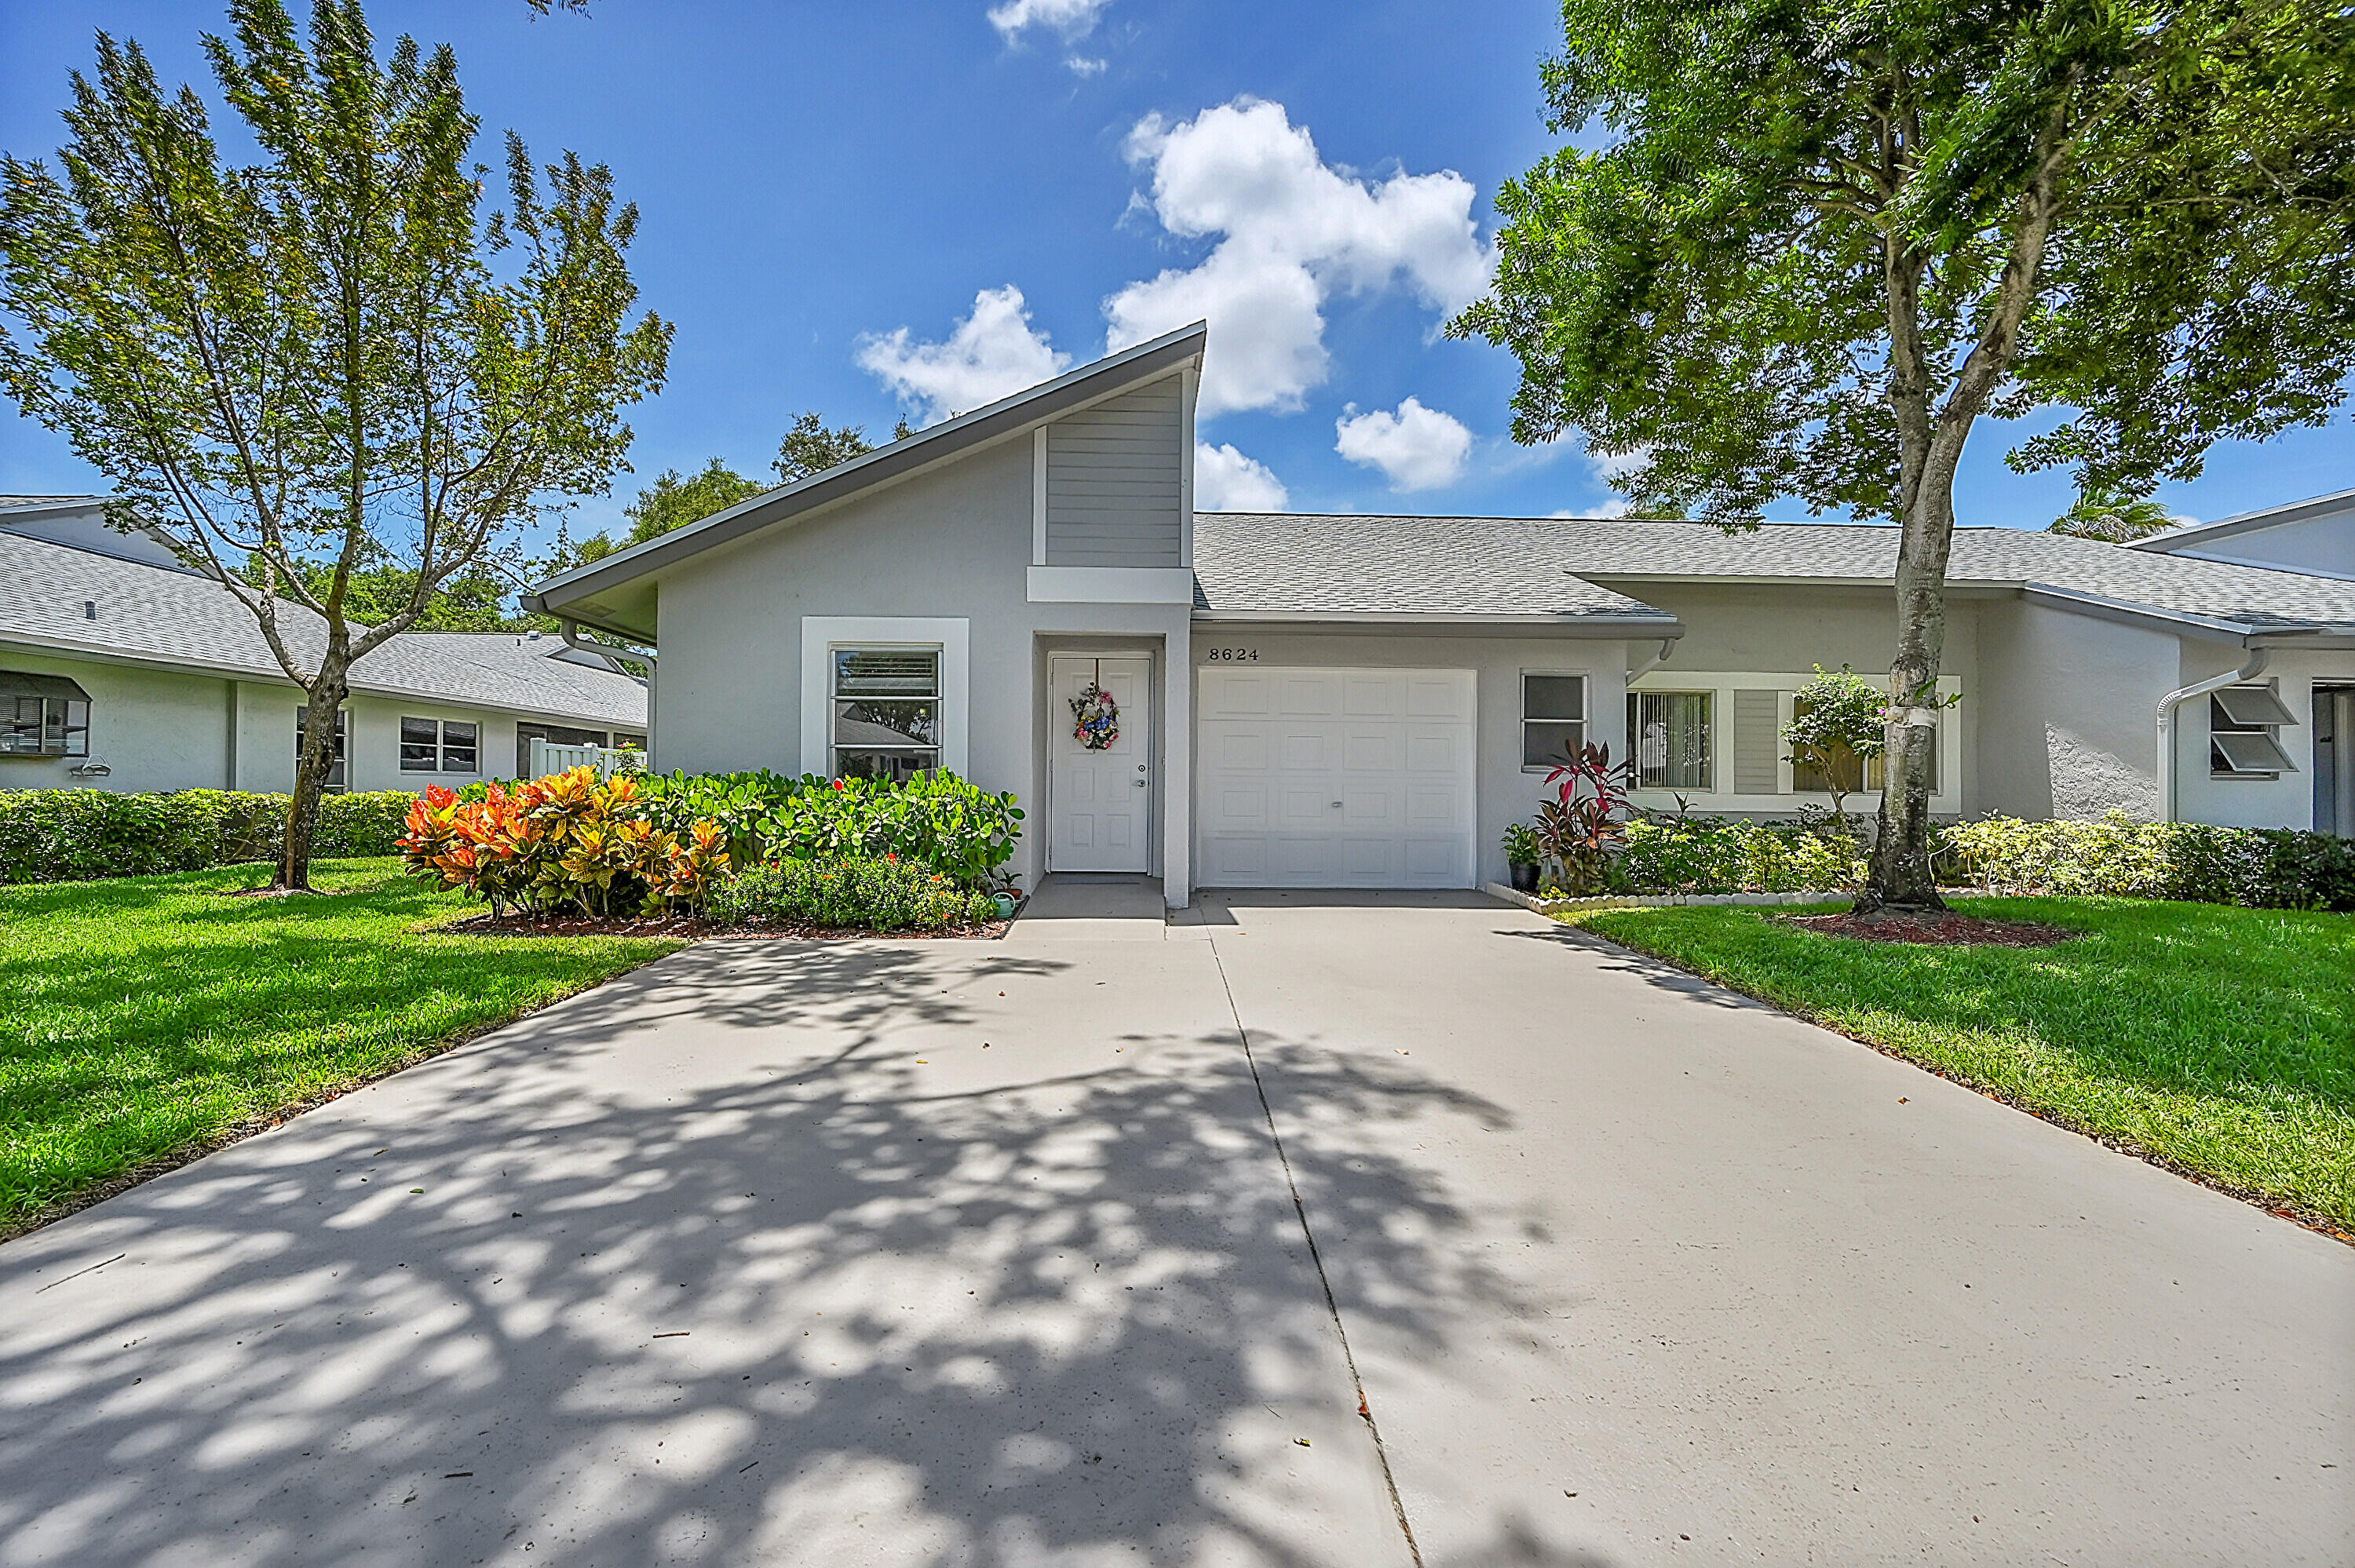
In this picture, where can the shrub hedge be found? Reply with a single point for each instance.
(74, 835)
(850, 892)
(938, 820)
(2257, 868)
(1717, 854)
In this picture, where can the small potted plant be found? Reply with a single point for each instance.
(1521, 855)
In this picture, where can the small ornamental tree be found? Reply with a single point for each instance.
(1836, 730)
(329, 372)
(1800, 248)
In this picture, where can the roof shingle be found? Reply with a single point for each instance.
(155, 613)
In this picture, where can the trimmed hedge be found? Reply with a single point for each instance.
(79, 835)
(850, 893)
(1718, 854)
(2257, 868)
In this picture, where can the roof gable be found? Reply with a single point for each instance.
(616, 593)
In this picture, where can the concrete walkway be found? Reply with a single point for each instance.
(944, 1252)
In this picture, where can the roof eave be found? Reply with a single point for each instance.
(1006, 416)
(1583, 624)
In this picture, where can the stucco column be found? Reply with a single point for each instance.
(1178, 766)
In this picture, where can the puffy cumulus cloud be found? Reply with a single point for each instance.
(1291, 231)
(994, 353)
(1067, 19)
(1226, 481)
(1417, 448)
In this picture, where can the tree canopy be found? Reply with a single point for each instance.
(1799, 248)
(2113, 518)
(330, 362)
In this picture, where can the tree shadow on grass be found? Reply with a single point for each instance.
(710, 1265)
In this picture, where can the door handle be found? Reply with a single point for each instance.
(1138, 782)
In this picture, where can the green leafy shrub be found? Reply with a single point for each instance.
(938, 820)
(2257, 868)
(1717, 854)
(850, 892)
(79, 835)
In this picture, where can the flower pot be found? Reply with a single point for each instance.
(1525, 876)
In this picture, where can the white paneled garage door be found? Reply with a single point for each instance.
(1334, 777)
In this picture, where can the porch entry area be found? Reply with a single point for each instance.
(1100, 783)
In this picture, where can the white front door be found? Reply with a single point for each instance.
(1334, 777)
(1100, 803)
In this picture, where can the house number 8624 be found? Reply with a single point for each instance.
(1230, 656)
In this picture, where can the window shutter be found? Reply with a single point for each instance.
(1757, 748)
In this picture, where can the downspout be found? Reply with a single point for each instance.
(1668, 646)
(2255, 666)
(573, 638)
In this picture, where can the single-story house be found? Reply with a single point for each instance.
(121, 669)
(1369, 700)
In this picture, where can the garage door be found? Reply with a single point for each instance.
(1334, 777)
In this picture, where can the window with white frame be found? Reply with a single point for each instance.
(335, 765)
(886, 712)
(2244, 733)
(43, 716)
(1673, 735)
(1553, 719)
(440, 745)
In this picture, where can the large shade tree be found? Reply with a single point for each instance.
(1800, 248)
(332, 370)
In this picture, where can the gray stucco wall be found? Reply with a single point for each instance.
(2322, 543)
(2068, 728)
(156, 729)
(1504, 792)
(951, 542)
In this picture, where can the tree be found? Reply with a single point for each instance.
(2114, 517)
(314, 362)
(472, 602)
(1836, 732)
(1806, 247)
(673, 502)
(810, 448)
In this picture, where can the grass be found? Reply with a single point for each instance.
(147, 1019)
(2216, 1039)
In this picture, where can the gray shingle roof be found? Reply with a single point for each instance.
(160, 615)
(1298, 563)
(1370, 564)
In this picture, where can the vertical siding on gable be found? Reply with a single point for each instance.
(1756, 747)
(1113, 481)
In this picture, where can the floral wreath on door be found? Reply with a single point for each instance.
(1095, 717)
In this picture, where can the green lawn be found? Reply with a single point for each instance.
(142, 1017)
(2220, 1040)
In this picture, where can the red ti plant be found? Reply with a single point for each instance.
(1578, 829)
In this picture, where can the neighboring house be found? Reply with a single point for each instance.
(2316, 536)
(1310, 700)
(121, 669)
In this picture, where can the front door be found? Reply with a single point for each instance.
(1100, 798)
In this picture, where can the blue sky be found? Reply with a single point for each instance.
(872, 210)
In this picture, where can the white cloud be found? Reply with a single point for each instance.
(1226, 481)
(994, 353)
(1418, 448)
(1068, 19)
(1291, 231)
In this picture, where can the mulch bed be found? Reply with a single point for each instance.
(1948, 930)
(682, 929)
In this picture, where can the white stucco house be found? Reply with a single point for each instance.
(121, 669)
(1368, 700)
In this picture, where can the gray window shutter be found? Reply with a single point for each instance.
(1757, 748)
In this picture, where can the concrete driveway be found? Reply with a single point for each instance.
(932, 1251)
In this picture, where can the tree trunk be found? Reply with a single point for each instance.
(311, 769)
(1898, 879)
